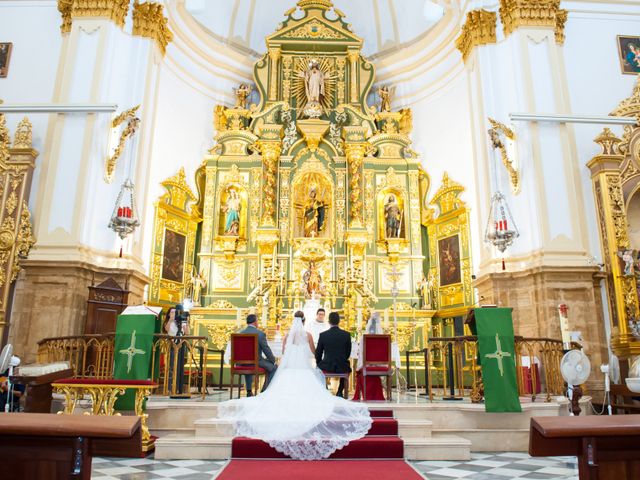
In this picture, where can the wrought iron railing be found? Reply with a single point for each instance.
(91, 356)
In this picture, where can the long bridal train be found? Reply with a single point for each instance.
(297, 415)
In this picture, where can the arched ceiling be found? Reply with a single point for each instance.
(385, 25)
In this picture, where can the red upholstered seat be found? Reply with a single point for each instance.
(249, 371)
(244, 357)
(376, 359)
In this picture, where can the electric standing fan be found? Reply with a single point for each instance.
(575, 369)
(7, 360)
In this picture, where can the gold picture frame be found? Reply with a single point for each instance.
(173, 252)
(629, 54)
(5, 58)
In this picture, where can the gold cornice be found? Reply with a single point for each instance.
(478, 29)
(533, 13)
(149, 21)
(320, 4)
(630, 106)
(115, 10)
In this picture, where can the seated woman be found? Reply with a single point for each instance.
(374, 384)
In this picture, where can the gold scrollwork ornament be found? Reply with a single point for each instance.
(133, 122)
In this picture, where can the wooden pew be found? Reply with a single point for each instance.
(36, 446)
(607, 447)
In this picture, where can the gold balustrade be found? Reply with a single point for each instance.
(91, 356)
(537, 362)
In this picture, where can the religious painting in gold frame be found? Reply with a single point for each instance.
(450, 249)
(449, 260)
(173, 253)
(5, 58)
(629, 54)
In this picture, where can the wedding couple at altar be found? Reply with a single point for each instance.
(295, 413)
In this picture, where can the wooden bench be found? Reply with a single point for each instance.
(103, 393)
(35, 446)
(607, 447)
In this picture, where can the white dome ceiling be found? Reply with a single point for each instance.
(385, 25)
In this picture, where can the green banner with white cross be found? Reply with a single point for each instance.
(497, 357)
(132, 352)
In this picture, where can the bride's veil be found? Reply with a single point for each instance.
(296, 349)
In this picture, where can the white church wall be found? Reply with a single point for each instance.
(33, 65)
(182, 136)
(441, 137)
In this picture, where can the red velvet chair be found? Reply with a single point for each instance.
(244, 358)
(376, 360)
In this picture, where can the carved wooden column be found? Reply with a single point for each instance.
(274, 56)
(16, 239)
(612, 216)
(270, 147)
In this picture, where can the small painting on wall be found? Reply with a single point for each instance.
(5, 56)
(629, 50)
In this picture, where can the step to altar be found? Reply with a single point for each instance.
(190, 447)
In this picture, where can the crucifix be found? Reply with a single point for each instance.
(132, 351)
(498, 355)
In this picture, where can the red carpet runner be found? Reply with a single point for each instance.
(381, 447)
(321, 470)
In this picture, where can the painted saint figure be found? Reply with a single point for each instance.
(232, 210)
(393, 217)
(313, 215)
(198, 283)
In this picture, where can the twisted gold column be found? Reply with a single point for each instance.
(270, 154)
(355, 158)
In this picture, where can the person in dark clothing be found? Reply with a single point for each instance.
(334, 349)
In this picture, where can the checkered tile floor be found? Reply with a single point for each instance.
(482, 466)
(150, 469)
(501, 466)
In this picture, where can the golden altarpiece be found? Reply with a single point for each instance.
(312, 197)
(615, 174)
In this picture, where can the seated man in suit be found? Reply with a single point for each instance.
(267, 360)
(334, 349)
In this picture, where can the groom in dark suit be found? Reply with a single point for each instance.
(267, 359)
(334, 349)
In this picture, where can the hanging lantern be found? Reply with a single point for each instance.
(501, 228)
(124, 218)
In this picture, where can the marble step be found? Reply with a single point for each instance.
(491, 439)
(213, 427)
(190, 447)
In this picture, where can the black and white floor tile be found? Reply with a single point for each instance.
(150, 469)
(482, 466)
(501, 466)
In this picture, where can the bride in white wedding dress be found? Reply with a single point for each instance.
(297, 415)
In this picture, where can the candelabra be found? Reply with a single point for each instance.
(501, 228)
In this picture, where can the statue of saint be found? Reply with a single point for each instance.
(232, 214)
(313, 280)
(313, 215)
(393, 217)
(198, 283)
(242, 92)
(385, 99)
(314, 83)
